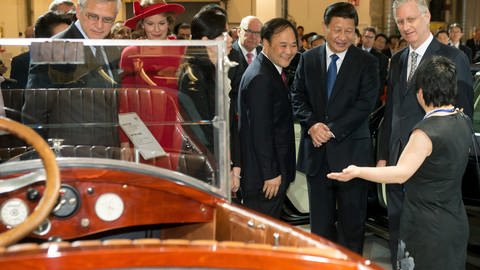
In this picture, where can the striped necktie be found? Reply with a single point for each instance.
(413, 64)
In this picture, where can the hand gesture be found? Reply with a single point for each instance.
(347, 174)
(271, 186)
(320, 134)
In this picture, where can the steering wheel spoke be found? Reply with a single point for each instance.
(52, 186)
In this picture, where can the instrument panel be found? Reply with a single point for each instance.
(94, 205)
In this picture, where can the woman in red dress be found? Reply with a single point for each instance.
(149, 76)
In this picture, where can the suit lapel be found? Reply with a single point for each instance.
(242, 59)
(319, 65)
(403, 71)
(273, 70)
(431, 50)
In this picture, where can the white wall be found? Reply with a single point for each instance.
(309, 13)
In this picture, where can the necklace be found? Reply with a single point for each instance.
(451, 110)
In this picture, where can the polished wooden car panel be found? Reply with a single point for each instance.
(197, 229)
(147, 201)
(177, 254)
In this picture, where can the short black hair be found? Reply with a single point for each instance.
(441, 31)
(437, 77)
(275, 26)
(216, 7)
(381, 35)
(340, 9)
(370, 29)
(316, 37)
(178, 26)
(46, 22)
(307, 36)
(209, 22)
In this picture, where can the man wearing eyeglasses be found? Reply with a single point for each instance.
(244, 50)
(94, 72)
(402, 111)
(95, 18)
(367, 42)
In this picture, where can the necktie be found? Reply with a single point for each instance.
(331, 74)
(249, 58)
(102, 58)
(413, 64)
(284, 78)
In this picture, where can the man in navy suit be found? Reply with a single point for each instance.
(99, 70)
(267, 137)
(244, 50)
(334, 114)
(402, 110)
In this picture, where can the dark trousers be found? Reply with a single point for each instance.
(395, 195)
(338, 210)
(255, 199)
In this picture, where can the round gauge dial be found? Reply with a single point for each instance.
(13, 212)
(109, 207)
(68, 202)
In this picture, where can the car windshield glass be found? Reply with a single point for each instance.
(160, 104)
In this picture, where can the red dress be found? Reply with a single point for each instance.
(149, 88)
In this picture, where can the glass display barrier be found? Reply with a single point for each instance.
(160, 104)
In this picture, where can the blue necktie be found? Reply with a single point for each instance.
(331, 74)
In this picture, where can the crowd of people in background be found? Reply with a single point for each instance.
(331, 83)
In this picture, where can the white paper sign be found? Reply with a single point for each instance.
(141, 137)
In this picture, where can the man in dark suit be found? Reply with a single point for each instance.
(20, 65)
(99, 70)
(46, 26)
(244, 50)
(95, 19)
(474, 45)
(402, 111)
(267, 137)
(368, 38)
(455, 34)
(333, 109)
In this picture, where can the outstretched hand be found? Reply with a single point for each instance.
(347, 174)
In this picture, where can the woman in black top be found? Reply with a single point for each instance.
(433, 225)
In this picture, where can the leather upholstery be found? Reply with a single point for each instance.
(157, 108)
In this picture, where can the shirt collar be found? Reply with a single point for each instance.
(244, 51)
(422, 48)
(366, 49)
(79, 26)
(340, 55)
(279, 68)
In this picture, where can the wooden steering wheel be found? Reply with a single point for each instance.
(51, 193)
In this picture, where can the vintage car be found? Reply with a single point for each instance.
(132, 177)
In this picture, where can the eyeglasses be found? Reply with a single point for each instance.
(409, 20)
(95, 18)
(251, 32)
(369, 37)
